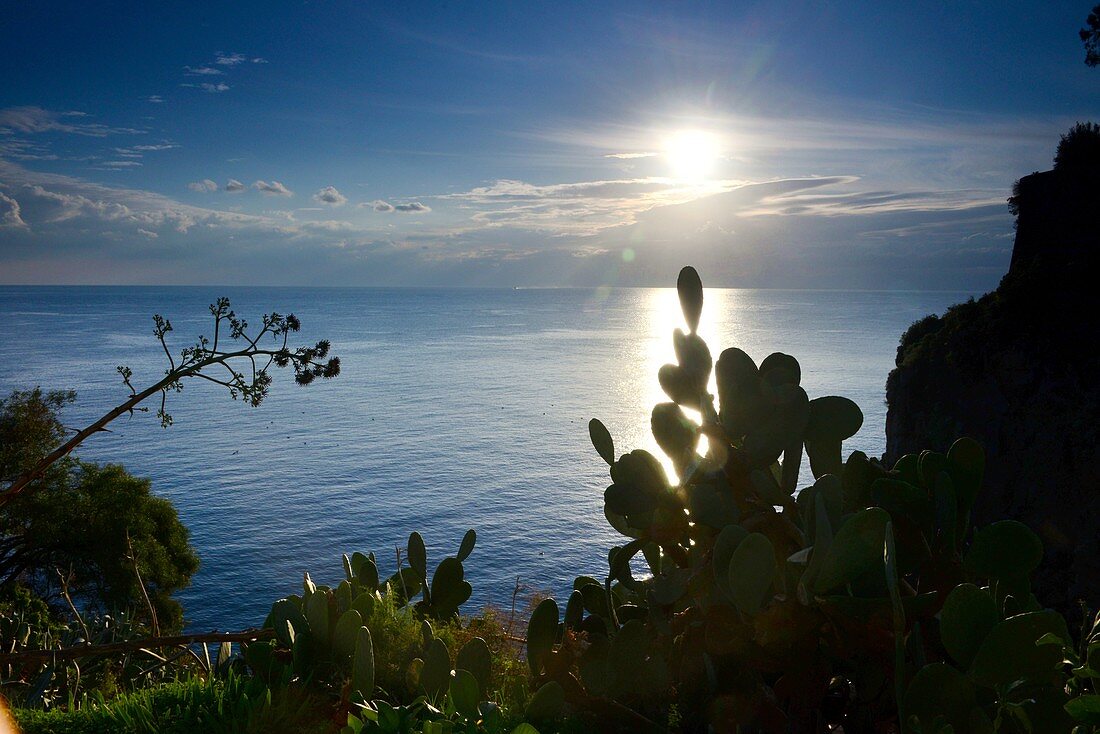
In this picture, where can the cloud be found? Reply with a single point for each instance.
(25, 150)
(579, 208)
(155, 98)
(630, 155)
(146, 233)
(212, 88)
(379, 205)
(881, 202)
(327, 225)
(68, 205)
(203, 187)
(329, 195)
(30, 119)
(139, 151)
(272, 189)
(9, 212)
(229, 59)
(203, 71)
(234, 186)
(119, 164)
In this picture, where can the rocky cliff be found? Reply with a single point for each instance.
(1019, 370)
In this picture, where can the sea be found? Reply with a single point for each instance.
(454, 409)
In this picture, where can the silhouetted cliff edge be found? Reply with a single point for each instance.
(1019, 370)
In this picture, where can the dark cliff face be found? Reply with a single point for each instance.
(1058, 220)
(1019, 370)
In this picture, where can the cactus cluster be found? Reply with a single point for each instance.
(864, 600)
(450, 691)
(323, 641)
(322, 633)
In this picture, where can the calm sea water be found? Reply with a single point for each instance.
(455, 409)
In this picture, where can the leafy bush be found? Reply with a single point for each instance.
(97, 525)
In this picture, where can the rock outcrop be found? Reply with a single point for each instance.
(1019, 370)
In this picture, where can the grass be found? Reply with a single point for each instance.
(238, 705)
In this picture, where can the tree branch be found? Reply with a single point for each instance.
(306, 361)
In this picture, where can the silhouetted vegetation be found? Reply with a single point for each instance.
(1090, 36)
(870, 600)
(1079, 149)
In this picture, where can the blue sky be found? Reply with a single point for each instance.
(777, 144)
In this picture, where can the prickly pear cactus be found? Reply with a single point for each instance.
(864, 600)
(321, 636)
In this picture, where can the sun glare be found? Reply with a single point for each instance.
(692, 154)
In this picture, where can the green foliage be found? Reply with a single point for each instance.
(38, 684)
(29, 427)
(868, 602)
(81, 525)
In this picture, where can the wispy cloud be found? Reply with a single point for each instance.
(235, 59)
(329, 195)
(204, 186)
(582, 207)
(21, 149)
(155, 99)
(209, 87)
(220, 66)
(379, 205)
(234, 186)
(627, 156)
(274, 188)
(139, 151)
(880, 202)
(30, 119)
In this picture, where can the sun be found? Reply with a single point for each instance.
(692, 154)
